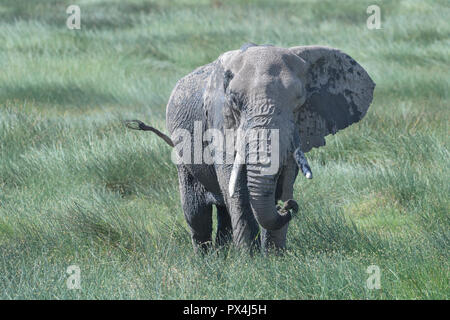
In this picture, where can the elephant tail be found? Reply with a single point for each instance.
(139, 125)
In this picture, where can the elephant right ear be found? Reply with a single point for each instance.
(338, 93)
(215, 96)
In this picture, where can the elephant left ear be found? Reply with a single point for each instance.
(338, 93)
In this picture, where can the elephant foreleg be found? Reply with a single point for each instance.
(245, 229)
(224, 228)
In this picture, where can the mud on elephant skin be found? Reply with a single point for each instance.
(305, 93)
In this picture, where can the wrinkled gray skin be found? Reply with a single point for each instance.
(305, 92)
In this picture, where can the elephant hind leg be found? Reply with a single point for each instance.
(199, 220)
(197, 209)
(224, 228)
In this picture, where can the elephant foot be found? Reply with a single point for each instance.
(201, 246)
(274, 241)
(223, 239)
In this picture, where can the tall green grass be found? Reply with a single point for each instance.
(77, 188)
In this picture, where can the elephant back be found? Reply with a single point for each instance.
(185, 104)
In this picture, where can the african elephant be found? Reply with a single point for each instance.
(304, 92)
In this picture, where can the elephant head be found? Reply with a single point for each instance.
(304, 92)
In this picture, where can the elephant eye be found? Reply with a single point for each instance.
(234, 101)
(300, 99)
(227, 77)
(298, 104)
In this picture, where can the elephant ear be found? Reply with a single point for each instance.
(338, 94)
(215, 97)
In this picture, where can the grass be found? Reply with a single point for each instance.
(76, 187)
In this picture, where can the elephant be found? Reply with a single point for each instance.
(304, 93)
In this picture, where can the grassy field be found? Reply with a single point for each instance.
(77, 188)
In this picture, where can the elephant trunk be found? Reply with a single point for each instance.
(261, 183)
(262, 199)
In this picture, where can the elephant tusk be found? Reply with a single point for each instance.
(302, 163)
(239, 160)
(237, 168)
